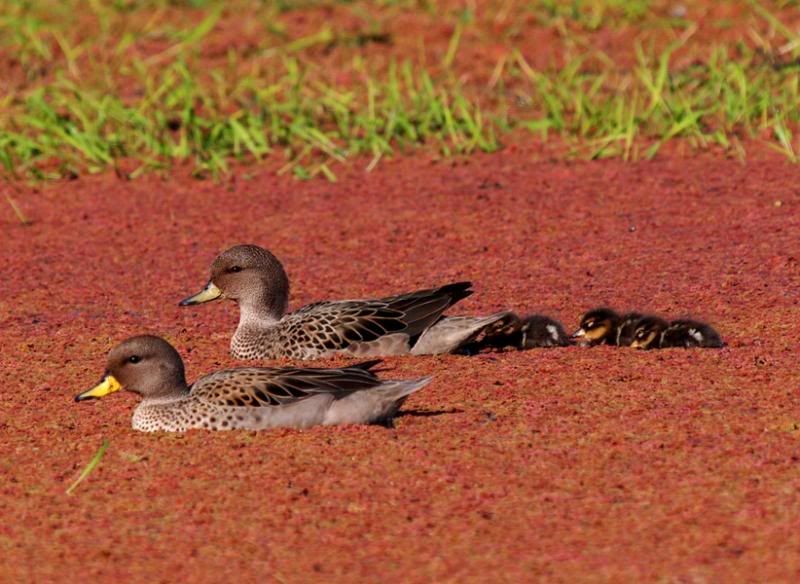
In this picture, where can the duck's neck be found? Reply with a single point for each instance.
(262, 313)
(261, 306)
(168, 383)
(166, 398)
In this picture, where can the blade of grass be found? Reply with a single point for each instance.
(452, 46)
(23, 219)
(87, 470)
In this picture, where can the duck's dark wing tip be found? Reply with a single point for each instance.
(366, 365)
(457, 291)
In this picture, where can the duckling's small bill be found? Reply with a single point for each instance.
(207, 294)
(644, 343)
(108, 385)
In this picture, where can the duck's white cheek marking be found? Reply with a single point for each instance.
(553, 332)
(696, 335)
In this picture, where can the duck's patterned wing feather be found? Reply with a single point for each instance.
(335, 325)
(263, 387)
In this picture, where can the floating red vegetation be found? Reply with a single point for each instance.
(569, 463)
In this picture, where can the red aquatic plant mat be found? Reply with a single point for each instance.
(569, 464)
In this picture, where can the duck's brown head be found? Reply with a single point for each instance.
(250, 275)
(146, 365)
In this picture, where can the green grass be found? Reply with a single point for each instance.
(140, 85)
(723, 101)
(592, 15)
(178, 118)
(90, 466)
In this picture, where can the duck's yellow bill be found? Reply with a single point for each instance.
(108, 385)
(207, 294)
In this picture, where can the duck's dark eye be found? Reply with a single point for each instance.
(640, 334)
(134, 359)
(589, 324)
(234, 269)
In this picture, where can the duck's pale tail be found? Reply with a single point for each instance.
(451, 333)
(375, 405)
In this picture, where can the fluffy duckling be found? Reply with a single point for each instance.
(603, 326)
(647, 332)
(598, 327)
(652, 332)
(538, 330)
(691, 334)
(246, 398)
(626, 327)
(520, 334)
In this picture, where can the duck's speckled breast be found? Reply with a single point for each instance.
(299, 335)
(168, 416)
(193, 413)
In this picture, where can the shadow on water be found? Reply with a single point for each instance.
(428, 413)
(419, 414)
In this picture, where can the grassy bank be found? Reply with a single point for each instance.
(138, 86)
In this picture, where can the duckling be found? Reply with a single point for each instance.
(501, 336)
(603, 326)
(538, 330)
(647, 332)
(690, 334)
(520, 334)
(598, 327)
(626, 328)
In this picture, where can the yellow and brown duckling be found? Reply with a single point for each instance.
(246, 398)
(647, 333)
(597, 327)
(626, 327)
(603, 326)
(652, 332)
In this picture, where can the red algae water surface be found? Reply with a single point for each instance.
(568, 464)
